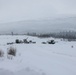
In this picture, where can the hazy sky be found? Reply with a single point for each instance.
(14, 10)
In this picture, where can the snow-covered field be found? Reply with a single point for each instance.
(38, 59)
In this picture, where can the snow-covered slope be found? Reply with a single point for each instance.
(40, 26)
(38, 59)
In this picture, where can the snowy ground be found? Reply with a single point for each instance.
(38, 59)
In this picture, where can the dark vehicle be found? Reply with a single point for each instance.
(51, 42)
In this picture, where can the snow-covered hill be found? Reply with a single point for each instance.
(40, 26)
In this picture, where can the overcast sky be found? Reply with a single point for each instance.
(14, 10)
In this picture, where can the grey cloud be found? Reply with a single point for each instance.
(14, 10)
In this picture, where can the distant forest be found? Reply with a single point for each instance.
(70, 35)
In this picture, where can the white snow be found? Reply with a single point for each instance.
(38, 59)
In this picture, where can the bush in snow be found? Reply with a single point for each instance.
(30, 41)
(34, 42)
(44, 43)
(1, 53)
(17, 41)
(10, 43)
(11, 51)
(72, 46)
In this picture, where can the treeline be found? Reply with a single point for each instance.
(65, 35)
(70, 35)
